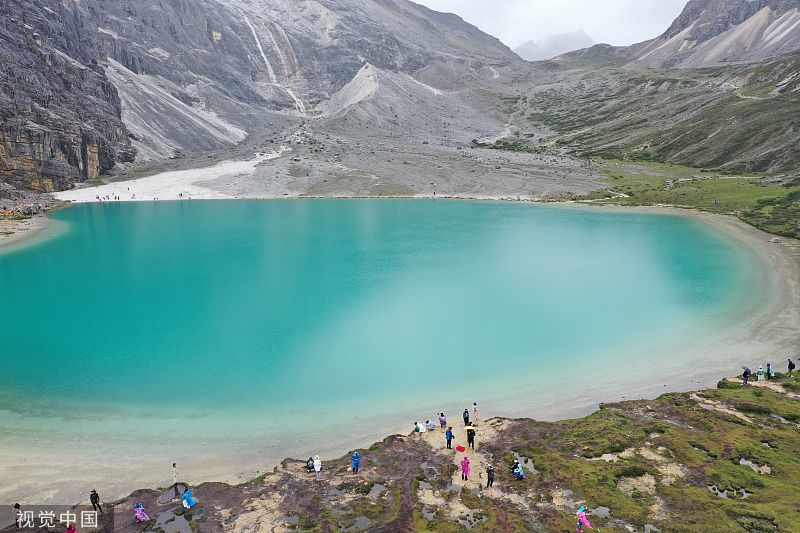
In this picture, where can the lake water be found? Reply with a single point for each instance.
(217, 326)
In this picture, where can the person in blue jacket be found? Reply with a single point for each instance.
(355, 461)
(448, 435)
(188, 500)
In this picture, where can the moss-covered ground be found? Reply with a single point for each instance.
(772, 207)
(722, 460)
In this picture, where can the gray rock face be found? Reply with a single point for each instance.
(91, 86)
(716, 32)
(706, 19)
(180, 77)
(59, 114)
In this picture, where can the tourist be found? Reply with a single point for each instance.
(16, 513)
(95, 499)
(448, 436)
(138, 512)
(760, 374)
(471, 437)
(475, 413)
(355, 461)
(175, 479)
(310, 465)
(188, 500)
(431, 425)
(519, 472)
(582, 520)
(465, 468)
(318, 467)
(746, 376)
(770, 372)
(466, 417)
(514, 465)
(489, 476)
(419, 428)
(442, 421)
(791, 366)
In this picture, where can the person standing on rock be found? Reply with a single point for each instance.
(489, 476)
(476, 415)
(448, 436)
(94, 498)
(471, 437)
(175, 479)
(746, 376)
(465, 468)
(355, 461)
(318, 466)
(791, 366)
(466, 417)
(442, 421)
(16, 514)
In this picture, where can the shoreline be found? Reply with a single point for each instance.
(778, 317)
(17, 233)
(683, 441)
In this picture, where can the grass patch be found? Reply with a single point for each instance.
(771, 207)
(509, 144)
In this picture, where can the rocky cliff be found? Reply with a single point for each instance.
(59, 114)
(716, 32)
(86, 85)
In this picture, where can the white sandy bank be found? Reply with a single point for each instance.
(171, 185)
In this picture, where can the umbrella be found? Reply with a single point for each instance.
(469, 427)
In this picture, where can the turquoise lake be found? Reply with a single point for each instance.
(247, 330)
(291, 304)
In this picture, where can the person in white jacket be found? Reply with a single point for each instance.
(318, 467)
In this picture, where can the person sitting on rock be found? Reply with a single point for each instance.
(138, 511)
(188, 500)
(519, 472)
(582, 520)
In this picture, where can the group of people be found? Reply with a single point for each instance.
(762, 374)
(470, 421)
(186, 498)
(314, 464)
(517, 470)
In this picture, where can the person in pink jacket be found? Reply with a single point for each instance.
(138, 512)
(465, 468)
(582, 520)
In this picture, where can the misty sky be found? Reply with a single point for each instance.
(619, 22)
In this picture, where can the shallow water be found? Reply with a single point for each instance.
(252, 321)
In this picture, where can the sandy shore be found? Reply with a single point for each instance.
(765, 332)
(173, 185)
(14, 232)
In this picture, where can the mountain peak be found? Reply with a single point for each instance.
(554, 45)
(708, 18)
(715, 32)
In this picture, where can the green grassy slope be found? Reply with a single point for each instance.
(732, 119)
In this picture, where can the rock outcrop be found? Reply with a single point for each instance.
(86, 85)
(717, 32)
(59, 114)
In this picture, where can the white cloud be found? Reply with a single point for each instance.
(619, 22)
